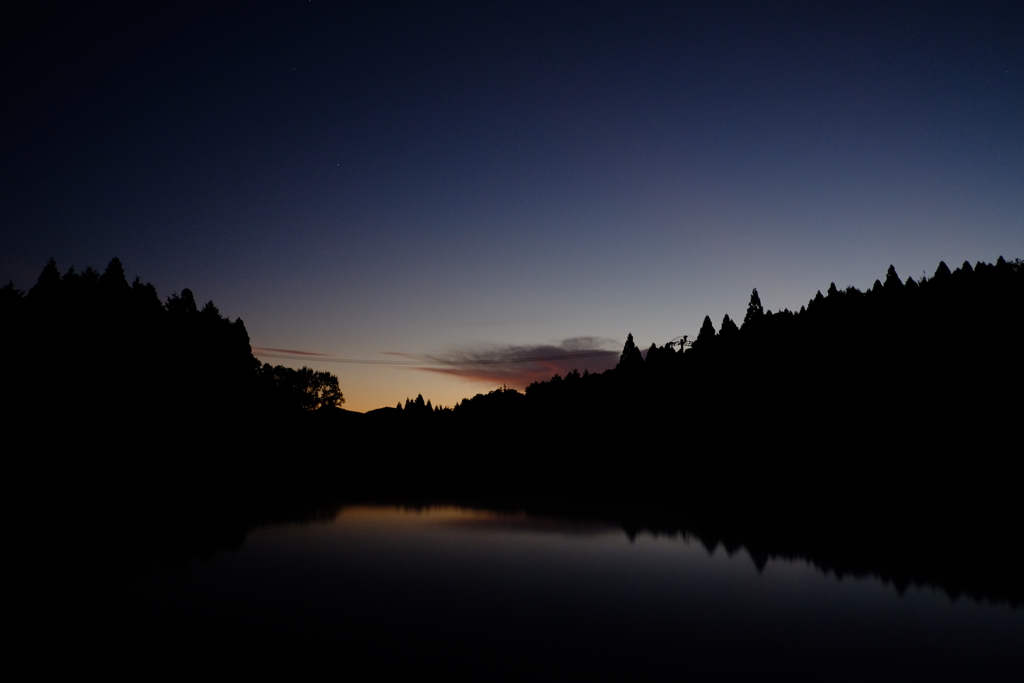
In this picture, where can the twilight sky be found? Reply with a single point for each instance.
(446, 185)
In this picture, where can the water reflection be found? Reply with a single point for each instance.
(477, 593)
(962, 554)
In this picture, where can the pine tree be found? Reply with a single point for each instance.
(113, 277)
(728, 328)
(48, 283)
(631, 359)
(706, 337)
(754, 310)
(892, 280)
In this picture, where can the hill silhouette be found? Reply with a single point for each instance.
(909, 389)
(109, 387)
(864, 433)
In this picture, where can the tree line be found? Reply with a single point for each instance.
(843, 346)
(91, 354)
(864, 389)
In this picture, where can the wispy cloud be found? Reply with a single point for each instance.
(284, 353)
(295, 354)
(517, 365)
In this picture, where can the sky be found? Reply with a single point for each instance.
(438, 189)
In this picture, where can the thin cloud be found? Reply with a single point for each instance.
(514, 365)
(267, 351)
(518, 365)
(295, 354)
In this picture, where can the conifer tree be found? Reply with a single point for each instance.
(754, 310)
(49, 281)
(705, 338)
(728, 328)
(113, 277)
(892, 280)
(631, 359)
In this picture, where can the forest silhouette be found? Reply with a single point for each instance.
(908, 388)
(859, 433)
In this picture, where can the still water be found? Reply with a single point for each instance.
(377, 591)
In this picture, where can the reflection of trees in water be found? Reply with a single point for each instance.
(857, 400)
(967, 550)
(967, 553)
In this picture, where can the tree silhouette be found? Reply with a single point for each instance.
(728, 328)
(892, 280)
(304, 388)
(10, 296)
(706, 336)
(48, 284)
(631, 360)
(754, 310)
(322, 390)
(113, 277)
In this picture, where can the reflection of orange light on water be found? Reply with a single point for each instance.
(406, 515)
(466, 519)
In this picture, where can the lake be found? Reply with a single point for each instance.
(376, 591)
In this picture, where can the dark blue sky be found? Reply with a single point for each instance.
(472, 180)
